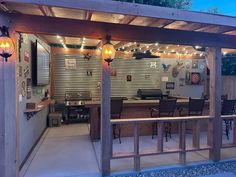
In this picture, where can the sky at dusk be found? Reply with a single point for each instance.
(226, 7)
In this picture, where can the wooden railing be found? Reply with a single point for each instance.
(136, 154)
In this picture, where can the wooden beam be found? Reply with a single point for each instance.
(136, 10)
(119, 32)
(214, 57)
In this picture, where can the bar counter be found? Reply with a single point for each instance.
(131, 109)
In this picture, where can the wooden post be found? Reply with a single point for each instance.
(214, 58)
(182, 142)
(105, 119)
(234, 132)
(160, 136)
(136, 148)
(196, 134)
(9, 119)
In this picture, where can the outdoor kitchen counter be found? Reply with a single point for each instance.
(131, 109)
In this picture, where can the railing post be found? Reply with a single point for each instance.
(136, 148)
(182, 143)
(214, 58)
(196, 134)
(105, 119)
(234, 132)
(160, 136)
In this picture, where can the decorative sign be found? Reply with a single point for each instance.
(166, 67)
(187, 65)
(128, 78)
(195, 78)
(181, 82)
(170, 85)
(113, 72)
(70, 64)
(26, 56)
(20, 71)
(23, 89)
(164, 78)
(28, 88)
(153, 65)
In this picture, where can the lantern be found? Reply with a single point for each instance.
(108, 51)
(6, 44)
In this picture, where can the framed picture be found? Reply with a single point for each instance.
(170, 85)
(195, 64)
(70, 64)
(128, 78)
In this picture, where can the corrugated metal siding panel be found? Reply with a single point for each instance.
(65, 80)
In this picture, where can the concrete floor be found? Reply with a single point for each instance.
(67, 151)
(64, 151)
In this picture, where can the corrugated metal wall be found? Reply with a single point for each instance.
(143, 75)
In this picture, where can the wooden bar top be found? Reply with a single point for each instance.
(133, 102)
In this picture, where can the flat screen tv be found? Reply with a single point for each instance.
(40, 64)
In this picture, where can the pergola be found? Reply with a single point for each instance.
(124, 22)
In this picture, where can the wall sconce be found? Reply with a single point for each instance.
(6, 44)
(108, 51)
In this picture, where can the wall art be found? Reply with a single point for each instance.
(170, 85)
(20, 71)
(128, 78)
(166, 67)
(70, 64)
(147, 76)
(177, 68)
(187, 78)
(26, 56)
(23, 88)
(87, 56)
(195, 78)
(89, 72)
(113, 72)
(181, 82)
(187, 65)
(194, 64)
(28, 88)
(164, 78)
(153, 65)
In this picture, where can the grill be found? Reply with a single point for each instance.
(75, 106)
(149, 94)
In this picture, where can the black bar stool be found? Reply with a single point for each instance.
(166, 109)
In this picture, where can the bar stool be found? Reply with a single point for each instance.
(228, 108)
(166, 109)
(116, 109)
(195, 108)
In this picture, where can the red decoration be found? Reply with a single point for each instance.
(195, 78)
